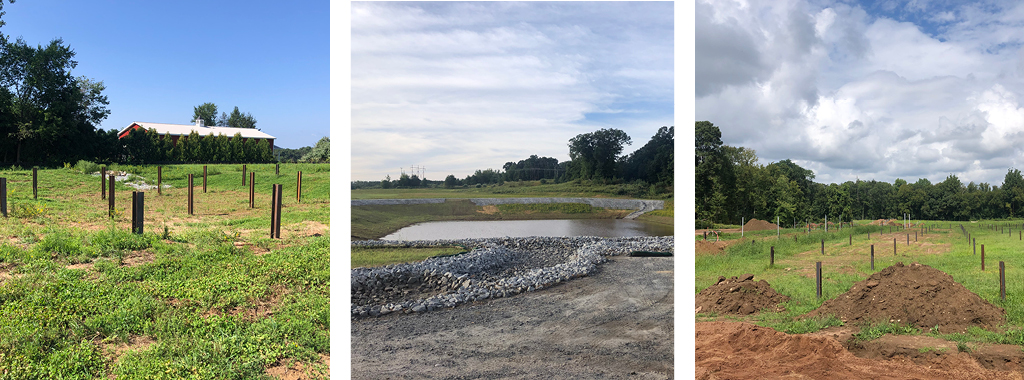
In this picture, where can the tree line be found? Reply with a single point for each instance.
(731, 185)
(595, 157)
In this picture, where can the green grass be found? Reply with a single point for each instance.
(844, 264)
(213, 299)
(374, 256)
(512, 190)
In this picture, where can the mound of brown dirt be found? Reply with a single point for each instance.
(736, 350)
(740, 295)
(710, 246)
(918, 295)
(759, 225)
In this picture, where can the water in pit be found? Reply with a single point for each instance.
(524, 228)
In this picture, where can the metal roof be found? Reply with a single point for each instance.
(186, 129)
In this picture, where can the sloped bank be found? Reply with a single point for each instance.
(496, 267)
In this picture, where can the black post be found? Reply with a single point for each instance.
(204, 179)
(3, 197)
(103, 182)
(894, 246)
(851, 239)
(872, 257)
(135, 208)
(243, 174)
(915, 236)
(1002, 281)
(982, 257)
(273, 210)
(35, 183)
(277, 168)
(771, 261)
(110, 199)
(280, 200)
(252, 190)
(908, 239)
(138, 211)
(818, 271)
(975, 244)
(159, 180)
(822, 246)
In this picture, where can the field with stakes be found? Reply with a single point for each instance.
(206, 295)
(845, 256)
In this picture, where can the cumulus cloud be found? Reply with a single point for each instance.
(464, 86)
(851, 92)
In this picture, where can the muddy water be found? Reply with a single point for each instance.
(525, 228)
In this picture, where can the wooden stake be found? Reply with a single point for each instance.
(817, 267)
(110, 198)
(771, 261)
(103, 182)
(298, 188)
(35, 183)
(3, 197)
(983, 257)
(872, 257)
(1002, 281)
(243, 174)
(204, 179)
(159, 180)
(191, 206)
(252, 190)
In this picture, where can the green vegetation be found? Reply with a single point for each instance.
(379, 256)
(944, 248)
(731, 184)
(210, 298)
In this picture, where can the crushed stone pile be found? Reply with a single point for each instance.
(759, 225)
(739, 295)
(915, 294)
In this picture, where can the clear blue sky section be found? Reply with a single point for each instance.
(159, 59)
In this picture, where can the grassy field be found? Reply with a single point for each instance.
(380, 256)
(843, 264)
(204, 296)
(374, 222)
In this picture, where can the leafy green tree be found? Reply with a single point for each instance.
(1013, 192)
(239, 120)
(714, 174)
(653, 162)
(450, 181)
(207, 112)
(237, 148)
(594, 154)
(263, 148)
(320, 153)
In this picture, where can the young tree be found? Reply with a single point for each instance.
(320, 153)
(237, 148)
(239, 120)
(450, 181)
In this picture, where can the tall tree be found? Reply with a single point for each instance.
(239, 120)
(321, 152)
(207, 112)
(653, 162)
(594, 154)
(714, 174)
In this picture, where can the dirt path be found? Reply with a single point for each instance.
(615, 324)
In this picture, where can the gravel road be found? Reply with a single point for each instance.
(615, 323)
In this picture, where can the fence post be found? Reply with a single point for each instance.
(280, 200)
(204, 179)
(817, 267)
(851, 239)
(298, 188)
(275, 211)
(138, 211)
(3, 197)
(135, 209)
(35, 182)
(1002, 281)
(771, 261)
(277, 168)
(894, 246)
(103, 182)
(252, 190)
(243, 174)
(872, 257)
(975, 244)
(191, 208)
(110, 198)
(822, 246)
(983, 257)
(159, 180)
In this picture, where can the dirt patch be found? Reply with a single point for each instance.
(759, 225)
(711, 247)
(287, 369)
(914, 294)
(312, 228)
(114, 350)
(136, 258)
(488, 209)
(739, 295)
(736, 350)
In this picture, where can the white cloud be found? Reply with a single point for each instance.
(853, 95)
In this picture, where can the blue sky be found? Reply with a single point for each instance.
(159, 59)
(461, 86)
(867, 90)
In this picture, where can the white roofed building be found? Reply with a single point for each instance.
(175, 131)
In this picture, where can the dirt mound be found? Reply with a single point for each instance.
(916, 294)
(735, 350)
(740, 295)
(710, 246)
(759, 225)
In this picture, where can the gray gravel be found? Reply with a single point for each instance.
(495, 268)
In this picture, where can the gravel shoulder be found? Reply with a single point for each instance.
(615, 323)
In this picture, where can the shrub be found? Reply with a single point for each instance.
(87, 167)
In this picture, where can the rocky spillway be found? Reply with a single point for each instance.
(495, 267)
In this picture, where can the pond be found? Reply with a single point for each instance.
(524, 228)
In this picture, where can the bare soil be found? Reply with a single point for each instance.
(614, 324)
(739, 295)
(739, 350)
(914, 294)
(759, 225)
